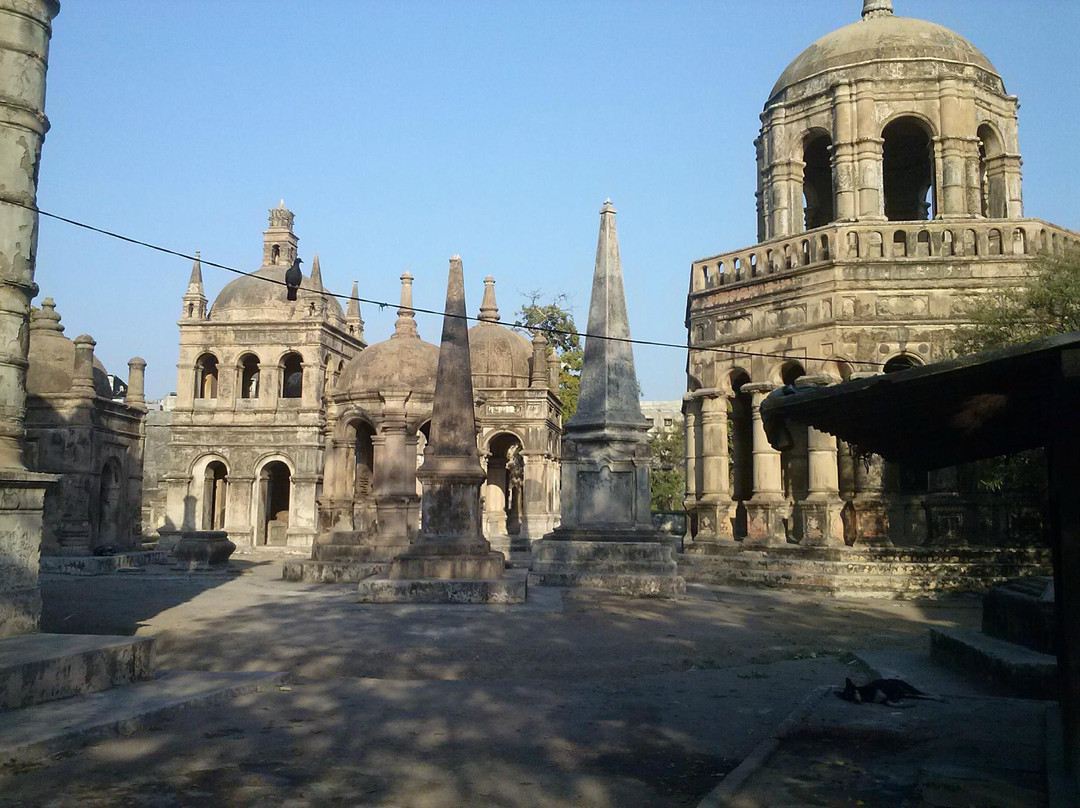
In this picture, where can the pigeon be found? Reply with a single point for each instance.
(293, 277)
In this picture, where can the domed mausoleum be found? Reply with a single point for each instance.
(888, 200)
(86, 427)
(288, 429)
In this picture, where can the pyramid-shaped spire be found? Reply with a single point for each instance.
(489, 310)
(608, 393)
(316, 273)
(452, 447)
(405, 325)
(195, 280)
(352, 306)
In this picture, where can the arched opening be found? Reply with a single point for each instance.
(215, 485)
(276, 483)
(249, 376)
(292, 376)
(741, 449)
(206, 376)
(275, 254)
(991, 174)
(901, 362)
(817, 181)
(503, 506)
(907, 171)
(110, 530)
(362, 473)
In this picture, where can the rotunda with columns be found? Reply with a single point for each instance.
(888, 199)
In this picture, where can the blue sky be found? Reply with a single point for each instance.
(401, 133)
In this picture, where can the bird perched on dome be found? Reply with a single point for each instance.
(293, 277)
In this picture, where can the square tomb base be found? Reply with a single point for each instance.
(442, 590)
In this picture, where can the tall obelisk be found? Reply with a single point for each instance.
(449, 561)
(606, 539)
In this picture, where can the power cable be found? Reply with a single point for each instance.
(382, 304)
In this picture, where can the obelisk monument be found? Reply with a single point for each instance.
(606, 539)
(449, 561)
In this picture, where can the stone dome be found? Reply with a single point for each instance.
(249, 296)
(51, 356)
(403, 362)
(881, 36)
(499, 355)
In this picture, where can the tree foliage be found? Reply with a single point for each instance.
(1047, 303)
(667, 480)
(557, 321)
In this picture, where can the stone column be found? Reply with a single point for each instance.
(870, 514)
(690, 409)
(394, 484)
(82, 382)
(136, 376)
(715, 506)
(845, 170)
(535, 515)
(822, 525)
(767, 508)
(953, 146)
(868, 152)
(945, 508)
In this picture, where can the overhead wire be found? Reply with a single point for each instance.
(382, 304)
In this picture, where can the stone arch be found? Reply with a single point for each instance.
(206, 376)
(215, 495)
(839, 368)
(901, 361)
(273, 502)
(249, 370)
(275, 254)
(819, 194)
(908, 169)
(504, 486)
(292, 375)
(992, 185)
(111, 530)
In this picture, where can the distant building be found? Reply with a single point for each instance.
(665, 416)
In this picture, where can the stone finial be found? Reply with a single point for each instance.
(352, 311)
(135, 395)
(539, 375)
(489, 311)
(316, 273)
(47, 318)
(82, 382)
(608, 391)
(405, 325)
(195, 280)
(553, 371)
(871, 9)
(281, 217)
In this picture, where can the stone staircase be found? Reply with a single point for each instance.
(59, 691)
(864, 572)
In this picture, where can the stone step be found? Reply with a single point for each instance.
(877, 555)
(357, 552)
(101, 565)
(36, 732)
(990, 661)
(331, 572)
(37, 668)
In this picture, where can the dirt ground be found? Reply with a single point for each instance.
(573, 699)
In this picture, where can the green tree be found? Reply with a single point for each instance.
(556, 319)
(667, 479)
(1046, 303)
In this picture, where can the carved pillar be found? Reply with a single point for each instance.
(821, 522)
(536, 517)
(869, 154)
(136, 380)
(394, 482)
(869, 515)
(690, 408)
(715, 506)
(845, 169)
(767, 508)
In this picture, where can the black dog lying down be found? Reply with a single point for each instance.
(889, 692)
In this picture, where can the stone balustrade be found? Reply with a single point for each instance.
(892, 241)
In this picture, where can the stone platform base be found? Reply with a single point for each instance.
(637, 569)
(101, 565)
(1004, 666)
(442, 590)
(331, 572)
(36, 668)
(862, 572)
(202, 550)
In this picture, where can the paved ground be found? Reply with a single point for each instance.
(574, 699)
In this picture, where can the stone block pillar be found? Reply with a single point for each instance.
(821, 522)
(869, 514)
(715, 507)
(767, 508)
(25, 29)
